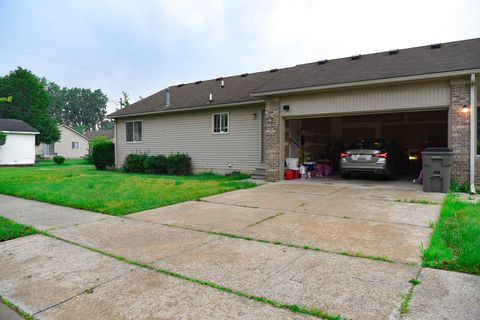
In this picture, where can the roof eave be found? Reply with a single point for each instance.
(205, 107)
(367, 82)
(21, 132)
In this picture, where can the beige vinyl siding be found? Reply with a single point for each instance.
(191, 132)
(420, 95)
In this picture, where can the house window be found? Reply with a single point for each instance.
(75, 145)
(134, 131)
(220, 123)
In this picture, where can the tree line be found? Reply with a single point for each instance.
(44, 105)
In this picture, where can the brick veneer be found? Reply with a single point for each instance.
(272, 139)
(460, 134)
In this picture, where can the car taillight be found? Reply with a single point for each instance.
(344, 155)
(381, 155)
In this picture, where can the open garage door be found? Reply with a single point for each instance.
(323, 139)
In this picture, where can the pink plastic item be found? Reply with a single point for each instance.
(328, 169)
(319, 169)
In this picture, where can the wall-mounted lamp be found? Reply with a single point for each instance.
(465, 108)
(286, 107)
(254, 115)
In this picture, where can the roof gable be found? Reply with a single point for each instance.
(15, 125)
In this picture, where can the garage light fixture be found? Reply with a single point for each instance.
(286, 107)
(465, 108)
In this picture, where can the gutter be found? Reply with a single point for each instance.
(426, 76)
(473, 130)
(234, 104)
(21, 132)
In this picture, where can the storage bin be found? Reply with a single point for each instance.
(290, 174)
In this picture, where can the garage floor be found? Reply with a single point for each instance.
(344, 247)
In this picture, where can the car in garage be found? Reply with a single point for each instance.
(377, 156)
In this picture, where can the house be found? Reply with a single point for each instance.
(107, 133)
(19, 147)
(72, 144)
(252, 122)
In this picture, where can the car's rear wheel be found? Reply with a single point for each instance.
(346, 175)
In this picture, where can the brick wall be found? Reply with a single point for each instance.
(460, 132)
(272, 139)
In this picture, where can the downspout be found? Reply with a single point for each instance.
(473, 131)
(116, 144)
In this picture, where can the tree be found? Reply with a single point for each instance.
(125, 101)
(84, 108)
(30, 103)
(106, 125)
(56, 96)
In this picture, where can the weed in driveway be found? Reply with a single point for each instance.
(263, 220)
(407, 297)
(19, 311)
(419, 201)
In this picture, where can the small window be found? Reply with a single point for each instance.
(134, 131)
(75, 145)
(220, 123)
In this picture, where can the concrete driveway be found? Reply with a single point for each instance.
(344, 248)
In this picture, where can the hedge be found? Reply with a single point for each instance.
(178, 164)
(58, 159)
(103, 154)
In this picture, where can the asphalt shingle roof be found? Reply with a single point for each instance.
(452, 56)
(16, 125)
(92, 134)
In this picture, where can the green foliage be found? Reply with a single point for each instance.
(30, 103)
(455, 244)
(78, 185)
(237, 175)
(3, 138)
(103, 154)
(464, 187)
(135, 162)
(11, 230)
(106, 125)
(179, 164)
(156, 164)
(58, 159)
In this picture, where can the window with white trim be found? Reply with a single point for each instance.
(220, 123)
(75, 145)
(134, 131)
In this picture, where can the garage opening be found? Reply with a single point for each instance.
(317, 140)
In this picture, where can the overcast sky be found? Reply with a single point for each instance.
(143, 46)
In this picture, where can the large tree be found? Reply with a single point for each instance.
(82, 108)
(30, 103)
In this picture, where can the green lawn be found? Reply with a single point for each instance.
(11, 230)
(455, 243)
(76, 184)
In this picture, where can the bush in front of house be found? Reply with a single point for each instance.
(3, 138)
(58, 159)
(103, 155)
(135, 162)
(156, 164)
(179, 164)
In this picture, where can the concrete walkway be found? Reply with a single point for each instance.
(71, 282)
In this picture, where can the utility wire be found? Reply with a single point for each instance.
(77, 66)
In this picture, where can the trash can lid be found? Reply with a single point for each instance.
(437, 150)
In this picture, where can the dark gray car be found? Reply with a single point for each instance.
(377, 156)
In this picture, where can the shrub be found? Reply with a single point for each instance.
(179, 164)
(156, 164)
(59, 159)
(237, 175)
(3, 138)
(135, 162)
(103, 154)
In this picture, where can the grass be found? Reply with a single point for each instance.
(305, 247)
(11, 230)
(19, 311)
(455, 242)
(79, 185)
(292, 307)
(419, 201)
(263, 220)
(405, 306)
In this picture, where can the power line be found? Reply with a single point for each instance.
(77, 66)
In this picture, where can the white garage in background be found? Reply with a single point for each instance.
(19, 148)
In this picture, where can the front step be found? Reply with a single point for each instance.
(258, 174)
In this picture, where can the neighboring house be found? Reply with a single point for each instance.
(254, 121)
(19, 148)
(108, 134)
(72, 144)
